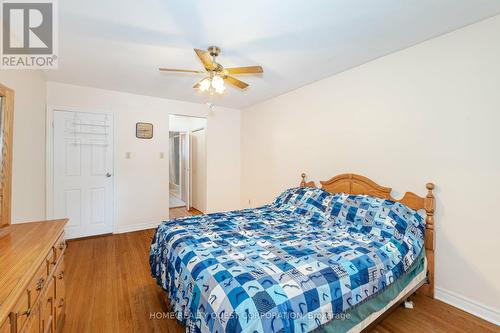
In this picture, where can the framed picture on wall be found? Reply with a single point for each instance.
(144, 130)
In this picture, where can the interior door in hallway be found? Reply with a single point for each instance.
(83, 172)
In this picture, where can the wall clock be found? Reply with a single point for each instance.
(144, 130)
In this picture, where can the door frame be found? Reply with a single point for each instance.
(185, 142)
(206, 163)
(182, 135)
(189, 132)
(49, 158)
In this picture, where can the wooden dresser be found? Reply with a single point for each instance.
(32, 277)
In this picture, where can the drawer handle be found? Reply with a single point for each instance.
(62, 245)
(61, 303)
(61, 275)
(39, 283)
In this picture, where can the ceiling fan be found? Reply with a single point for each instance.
(216, 73)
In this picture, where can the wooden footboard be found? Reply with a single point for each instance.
(355, 184)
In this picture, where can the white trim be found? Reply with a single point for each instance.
(49, 156)
(69, 235)
(49, 167)
(468, 305)
(120, 229)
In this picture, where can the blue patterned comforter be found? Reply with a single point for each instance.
(290, 266)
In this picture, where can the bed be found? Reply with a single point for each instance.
(329, 259)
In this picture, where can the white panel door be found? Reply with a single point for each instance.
(83, 172)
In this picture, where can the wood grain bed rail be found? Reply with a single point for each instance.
(355, 184)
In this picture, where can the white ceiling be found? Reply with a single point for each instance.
(119, 44)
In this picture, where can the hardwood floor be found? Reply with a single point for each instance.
(431, 315)
(182, 211)
(110, 289)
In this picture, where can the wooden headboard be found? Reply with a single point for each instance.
(355, 184)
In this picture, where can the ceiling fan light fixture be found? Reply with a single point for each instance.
(220, 90)
(205, 84)
(218, 83)
(216, 75)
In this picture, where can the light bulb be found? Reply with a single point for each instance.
(217, 83)
(205, 84)
(220, 90)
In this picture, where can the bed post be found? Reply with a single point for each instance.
(429, 206)
(303, 183)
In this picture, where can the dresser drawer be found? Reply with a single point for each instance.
(60, 292)
(21, 310)
(33, 324)
(5, 326)
(60, 246)
(37, 283)
(50, 261)
(47, 308)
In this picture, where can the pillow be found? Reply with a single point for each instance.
(367, 214)
(360, 209)
(308, 201)
(284, 197)
(302, 196)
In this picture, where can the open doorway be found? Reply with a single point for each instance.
(187, 168)
(176, 155)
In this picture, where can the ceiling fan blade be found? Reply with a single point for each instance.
(197, 85)
(235, 82)
(244, 70)
(205, 58)
(180, 70)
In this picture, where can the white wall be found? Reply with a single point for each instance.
(142, 181)
(28, 169)
(183, 123)
(427, 113)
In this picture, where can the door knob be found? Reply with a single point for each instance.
(108, 174)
